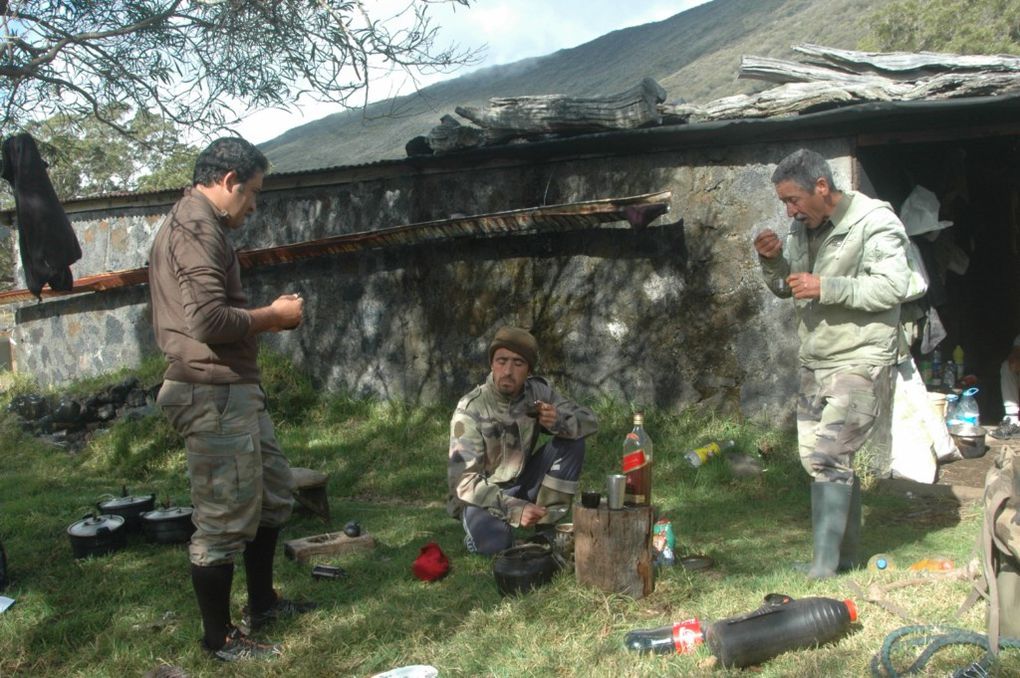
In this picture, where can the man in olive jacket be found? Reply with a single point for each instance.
(498, 476)
(845, 265)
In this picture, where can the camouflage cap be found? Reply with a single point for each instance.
(518, 340)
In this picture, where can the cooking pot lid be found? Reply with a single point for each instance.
(168, 513)
(89, 525)
(122, 502)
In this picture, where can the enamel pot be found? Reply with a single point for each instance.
(169, 525)
(128, 507)
(969, 439)
(97, 535)
(523, 568)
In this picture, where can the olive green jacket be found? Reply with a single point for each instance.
(862, 263)
(491, 438)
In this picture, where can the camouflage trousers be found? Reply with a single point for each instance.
(239, 476)
(837, 410)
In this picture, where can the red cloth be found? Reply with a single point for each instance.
(431, 564)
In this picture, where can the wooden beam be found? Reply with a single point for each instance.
(637, 210)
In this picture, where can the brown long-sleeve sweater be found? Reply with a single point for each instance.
(198, 311)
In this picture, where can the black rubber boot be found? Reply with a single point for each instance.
(849, 550)
(830, 504)
(258, 568)
(212, 588)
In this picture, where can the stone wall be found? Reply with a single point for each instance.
(671, 316)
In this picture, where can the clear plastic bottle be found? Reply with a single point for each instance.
(958, 359)
(950, 374)
(682, 637)
(637, 464)
(700, 455)
(952, 405)
(967, 409)
(936, 369)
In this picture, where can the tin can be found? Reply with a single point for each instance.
(664, 542)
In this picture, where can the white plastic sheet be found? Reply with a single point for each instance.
(919, 435)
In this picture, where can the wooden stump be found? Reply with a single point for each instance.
(310, 491)
(613, 549)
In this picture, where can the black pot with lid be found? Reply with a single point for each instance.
(168, 524)
(521, 569)
(96, 535)
(129, 507)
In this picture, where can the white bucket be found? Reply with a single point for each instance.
(938, 401)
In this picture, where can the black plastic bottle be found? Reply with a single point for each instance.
(780, 625)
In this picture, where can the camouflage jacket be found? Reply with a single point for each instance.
(491, 438)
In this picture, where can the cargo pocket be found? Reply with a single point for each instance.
(222, 468)
(861, 411)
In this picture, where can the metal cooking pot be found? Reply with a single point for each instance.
(97, 535)
(129, 507)
(523, 568)
(168, 525)
(970, 440)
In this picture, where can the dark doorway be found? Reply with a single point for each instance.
(977, 182)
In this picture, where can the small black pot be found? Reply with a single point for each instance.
(171, 525)
(523, 568)
(128, 507)
(97, 535)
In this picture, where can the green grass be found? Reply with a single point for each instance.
(124, 614)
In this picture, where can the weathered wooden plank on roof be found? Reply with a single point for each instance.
(637, 210)
(908, 65)
(536, 115)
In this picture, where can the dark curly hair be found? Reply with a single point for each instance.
(226, 154)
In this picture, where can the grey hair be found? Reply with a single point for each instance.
(804, 168)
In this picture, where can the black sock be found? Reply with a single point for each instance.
(212, 588)
(258, 567)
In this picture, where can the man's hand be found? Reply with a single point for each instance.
(531, 514)
(289, 310)
(805, 285)
(768, 244)
(546, 414)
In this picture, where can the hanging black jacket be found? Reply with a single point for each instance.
(47, 241)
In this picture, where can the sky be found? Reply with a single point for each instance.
(508, 30)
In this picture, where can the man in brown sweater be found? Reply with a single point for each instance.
(240, 480)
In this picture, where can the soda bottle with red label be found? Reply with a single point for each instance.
(682, 637)
(637, 464)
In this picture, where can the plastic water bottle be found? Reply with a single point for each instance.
(780, 625)
(936, 369)
(700, 455)
(967, 409)
(952, 406)
(949, 374)
(682, 637)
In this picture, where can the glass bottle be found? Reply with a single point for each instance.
(637, 464)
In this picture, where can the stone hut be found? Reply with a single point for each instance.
(670, 315)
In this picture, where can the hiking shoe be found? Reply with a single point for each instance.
(240, 647)
(281, 609)
(1005, 430)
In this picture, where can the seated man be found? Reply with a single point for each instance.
(499, 477)
(1008, 380)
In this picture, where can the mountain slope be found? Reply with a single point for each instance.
(694, 55)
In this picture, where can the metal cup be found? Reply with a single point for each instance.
(616, 486)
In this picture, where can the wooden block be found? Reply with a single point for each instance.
(613, 549)
(331, 543)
